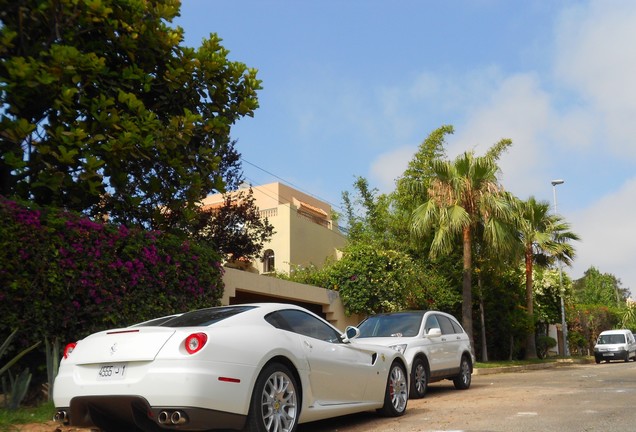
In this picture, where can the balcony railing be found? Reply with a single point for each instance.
(268, 213)
(273, 212)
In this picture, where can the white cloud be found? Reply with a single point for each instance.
(520, 110)
(595, 57)
(389, 166)
(517, 109)
(607, 231)
(575, 129)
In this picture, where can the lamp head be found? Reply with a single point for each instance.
(557, 182)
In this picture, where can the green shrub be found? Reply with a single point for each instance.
(544, 343)
(371, 280)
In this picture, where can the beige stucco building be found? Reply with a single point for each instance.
(305, 232)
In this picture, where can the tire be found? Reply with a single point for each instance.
(276, 400)
(419, 379)
(463, 380)
(597, 359)
(626, 359)
(396, 395)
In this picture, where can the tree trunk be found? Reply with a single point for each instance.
(484, 346)
(531, 345)
(512, 347)
(467, 297)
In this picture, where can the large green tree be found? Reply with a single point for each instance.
(103, 110)
(545, 237)
(463, 194)
(596, 288)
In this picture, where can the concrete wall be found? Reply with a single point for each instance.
(241, 285)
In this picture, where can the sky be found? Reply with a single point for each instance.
(352, 87)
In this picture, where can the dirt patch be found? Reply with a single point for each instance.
(44, 427)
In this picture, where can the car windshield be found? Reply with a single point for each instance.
(401, 324)
(611, 339)
(202, 317)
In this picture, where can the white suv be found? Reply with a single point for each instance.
(434, 344)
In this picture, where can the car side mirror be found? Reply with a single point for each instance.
(434, 332)
(351, 332)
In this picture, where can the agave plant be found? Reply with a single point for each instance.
(17, 386)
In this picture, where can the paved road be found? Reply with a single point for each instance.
(572, 398)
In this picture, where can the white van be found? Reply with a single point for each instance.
(615, 345)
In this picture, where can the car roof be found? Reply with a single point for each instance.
(413, 312)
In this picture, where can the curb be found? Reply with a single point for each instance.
(537, 366)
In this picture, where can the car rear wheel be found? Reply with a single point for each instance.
(462, 381)
(396, 394)
(419, 379)
(275, 405)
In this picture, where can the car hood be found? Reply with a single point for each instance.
(384, 341)
(128, 344)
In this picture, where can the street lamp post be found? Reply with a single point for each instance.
(564, 324)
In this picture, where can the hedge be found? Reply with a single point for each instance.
(65, 276)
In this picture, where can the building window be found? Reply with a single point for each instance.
(268, 261)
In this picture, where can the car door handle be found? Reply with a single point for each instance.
(307, 344)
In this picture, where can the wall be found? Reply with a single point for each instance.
(241, 285)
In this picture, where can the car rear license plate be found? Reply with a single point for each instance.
(608, 354)
(111, 372)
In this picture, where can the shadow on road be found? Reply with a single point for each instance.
(371, 421)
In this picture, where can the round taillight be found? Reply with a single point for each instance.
(68, 349)
(195, 342)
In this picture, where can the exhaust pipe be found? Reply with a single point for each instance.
(163, 417)
(61, 417)
(177, 418)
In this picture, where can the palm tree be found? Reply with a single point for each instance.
(463, 194)
(545, 237)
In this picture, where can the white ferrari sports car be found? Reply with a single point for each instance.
(263, 367)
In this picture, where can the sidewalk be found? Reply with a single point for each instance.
(537, 366)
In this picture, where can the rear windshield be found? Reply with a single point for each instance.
(201, 317)
(402, 324)
(611, 339)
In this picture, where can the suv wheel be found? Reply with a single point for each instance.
(462, 381)
(419, 379)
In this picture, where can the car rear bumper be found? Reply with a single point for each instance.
(216, 393)
(115, 412)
